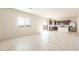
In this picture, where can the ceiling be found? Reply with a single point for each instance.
(54, 13)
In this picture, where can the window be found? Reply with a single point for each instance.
(22, 22)
(27, 22)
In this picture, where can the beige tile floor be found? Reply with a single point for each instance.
(45, 41)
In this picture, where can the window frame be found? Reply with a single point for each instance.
(24, 19)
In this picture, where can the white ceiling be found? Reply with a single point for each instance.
(54, 13)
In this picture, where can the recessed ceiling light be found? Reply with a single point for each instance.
(30, 8)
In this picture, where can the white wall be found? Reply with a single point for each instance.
(8, 24)
(78, 24)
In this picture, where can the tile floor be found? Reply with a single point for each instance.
(45, 41)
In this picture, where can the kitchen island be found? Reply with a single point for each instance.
(64, 28)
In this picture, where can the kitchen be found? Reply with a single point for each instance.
(61, 26)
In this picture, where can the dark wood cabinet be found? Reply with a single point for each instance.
(65, 22)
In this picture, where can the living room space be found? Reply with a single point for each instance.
(39, 29)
